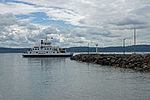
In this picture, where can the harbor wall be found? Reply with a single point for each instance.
(136, 62)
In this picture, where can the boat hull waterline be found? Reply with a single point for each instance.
(69, 55)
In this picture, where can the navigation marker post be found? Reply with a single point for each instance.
(88, 48)
(124, 47)
(96, 47)
(134, 40)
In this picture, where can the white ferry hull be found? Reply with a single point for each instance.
(48, 55)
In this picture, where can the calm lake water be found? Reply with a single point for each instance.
(64, 79)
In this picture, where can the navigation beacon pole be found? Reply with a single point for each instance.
(88, 48)
(134, 41)
(96, 48)
(124, 48)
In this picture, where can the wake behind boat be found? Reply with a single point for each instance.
(46, 50)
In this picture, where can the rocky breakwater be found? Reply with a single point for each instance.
(133, 61)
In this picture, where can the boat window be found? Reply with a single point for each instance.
(36, 52)
(46, 52)
(53, 52)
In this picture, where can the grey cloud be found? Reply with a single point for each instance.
(98, 31)
(65, 44)
(23, 23)
(104, 16)
(56, 29)
(40, 36)
(78, 41)
(142, 11)
(55, 40)
(80, 35)
(128, 21)
(32, 27)
(13, 33)
(50, 30)
(113, 36)
(31, 39)
(82, 21)
(79, 32)
(7, 19)
(130, 27)
(93, 31)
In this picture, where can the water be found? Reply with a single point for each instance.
(64, 79)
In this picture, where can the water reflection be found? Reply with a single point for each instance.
(46, 63)
(64, 79)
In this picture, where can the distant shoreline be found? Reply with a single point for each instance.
(139, 48)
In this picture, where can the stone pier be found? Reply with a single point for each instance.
(136, 62)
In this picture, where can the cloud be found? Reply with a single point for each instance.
(21, 33)
(55, 13)
(129, 21)
(7, 19)
(12, 32)
(82, 12)
(78, 32)
(101, 20)
(56, 29)
(142, 11)
(50, 30)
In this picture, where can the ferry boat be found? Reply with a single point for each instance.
(46, 50)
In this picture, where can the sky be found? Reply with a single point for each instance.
(23, 23)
